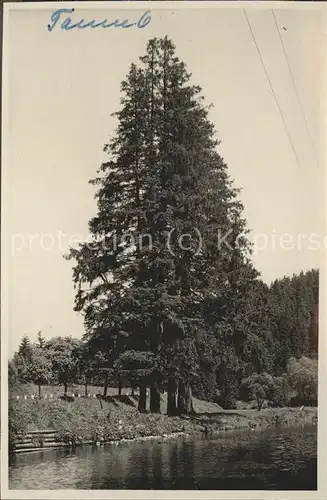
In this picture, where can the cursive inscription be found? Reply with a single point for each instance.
(60, 18)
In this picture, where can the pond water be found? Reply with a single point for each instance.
(284, 459)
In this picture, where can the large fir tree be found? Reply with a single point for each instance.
(155, 278)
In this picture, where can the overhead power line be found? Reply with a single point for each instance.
(295, 87)
(272, 90)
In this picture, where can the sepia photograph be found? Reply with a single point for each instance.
(163, 249)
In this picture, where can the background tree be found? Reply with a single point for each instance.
(137, 366)
(302, 377)
(293, 316)
(40, 368)
(208, 361)
(260, 387)
(13, 379)
(20, 368)
(40, 340)
(88, 364)
(25, 349)
(64, 365)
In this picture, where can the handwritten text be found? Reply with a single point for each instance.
(61, 19)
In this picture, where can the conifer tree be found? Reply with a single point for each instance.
(25, 349)
(293, 311)
(154, 269)
(41, 340)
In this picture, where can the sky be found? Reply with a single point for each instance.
(61, 90)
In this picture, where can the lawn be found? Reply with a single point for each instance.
(57, 391)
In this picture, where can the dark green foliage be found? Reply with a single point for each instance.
(19, 368)
(64, 363)
(19, 421)
(293, 318)
(302, 379)
(281, 393)
(259, 386)
(25, 348)
(41, 340)
(87, 364)
(13, 375)
(166, 190)
(40, 369)
(30, 364)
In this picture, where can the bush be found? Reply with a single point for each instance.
(19, 422)
(302, 378)
(228, 402)
(259, 386)
(280, 394)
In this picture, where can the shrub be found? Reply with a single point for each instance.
(281, 393)
(302, 378)
(19, 421)
(259, 386)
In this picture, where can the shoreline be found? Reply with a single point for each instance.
(198, 425)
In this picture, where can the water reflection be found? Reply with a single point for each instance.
(275, 460)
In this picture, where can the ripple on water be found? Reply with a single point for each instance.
(283, 459)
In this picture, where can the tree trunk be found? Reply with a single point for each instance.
(40, 391)
(133, 393)
(171, 397)
(259, 402)
(184, 400)
(212, 381)
(154, 398)
(189, 399)
(105, 386)
(119, 389)
(86, 389)
(65, 388)
(181, 406)
(142, 399)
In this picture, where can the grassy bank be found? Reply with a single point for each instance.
(88, 420)
(84, 420)
(55, 392)
(253, 419)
